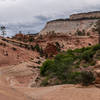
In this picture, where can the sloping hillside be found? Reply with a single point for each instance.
(11, 54)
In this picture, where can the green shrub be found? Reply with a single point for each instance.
(32, 47)
(96, 47)
(37, 47)
(74, 78)
(14, 48)
(85, 65)
(87, 55)
(44, 82)
(97, 55)
(58, 46)
(87, 78)
(92, 63)
(47, 67)
(31, 39)
(65, 65)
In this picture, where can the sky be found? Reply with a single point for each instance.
(30, 16)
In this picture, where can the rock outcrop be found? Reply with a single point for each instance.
(50, 50)
(89, 15)
(83, 21)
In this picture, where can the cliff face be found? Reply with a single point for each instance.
(89, 15)
(68, 27)
(84, 21)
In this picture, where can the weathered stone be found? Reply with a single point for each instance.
(83, 21)
(89, 15)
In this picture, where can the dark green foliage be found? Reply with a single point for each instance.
(32, 47)
(47, 67)
(41, 52)
(63, 67)
(58, 47)
(80, 33)
(14, 48)
(97, 55)
(74, 78)
(44, 82)
(31, 39)
(88, 55)
(96, 47)
(66, 65)
(39, 49)
(88, 33)
(87, 78)
(39, 62)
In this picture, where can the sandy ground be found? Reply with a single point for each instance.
(60, 92)
(64, 92)
(9, 93)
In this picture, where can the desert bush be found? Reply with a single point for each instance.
(80, 33)
(87, 78)
(74, 78)
(44, 82)
(46, 68)
(97, 55)
(87, 55)
(31, 39)
(3, 44)
(58, 46)
(65, 65)
(14, 48)
(96, 47)
(39, 62)
(39, 49)
(32, 47)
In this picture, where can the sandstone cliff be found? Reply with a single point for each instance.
(89, 15)
(84, 21)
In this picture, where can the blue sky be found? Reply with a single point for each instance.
(32, 15)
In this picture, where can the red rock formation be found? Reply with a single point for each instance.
(50, 50)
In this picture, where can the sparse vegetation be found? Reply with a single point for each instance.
(31, 39)
(38, 49)
(14, 48)
(65, 67)
(3, 44)
(58, 46)
(87, 78)
(80, 33)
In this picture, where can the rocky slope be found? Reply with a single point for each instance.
(14, 52)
